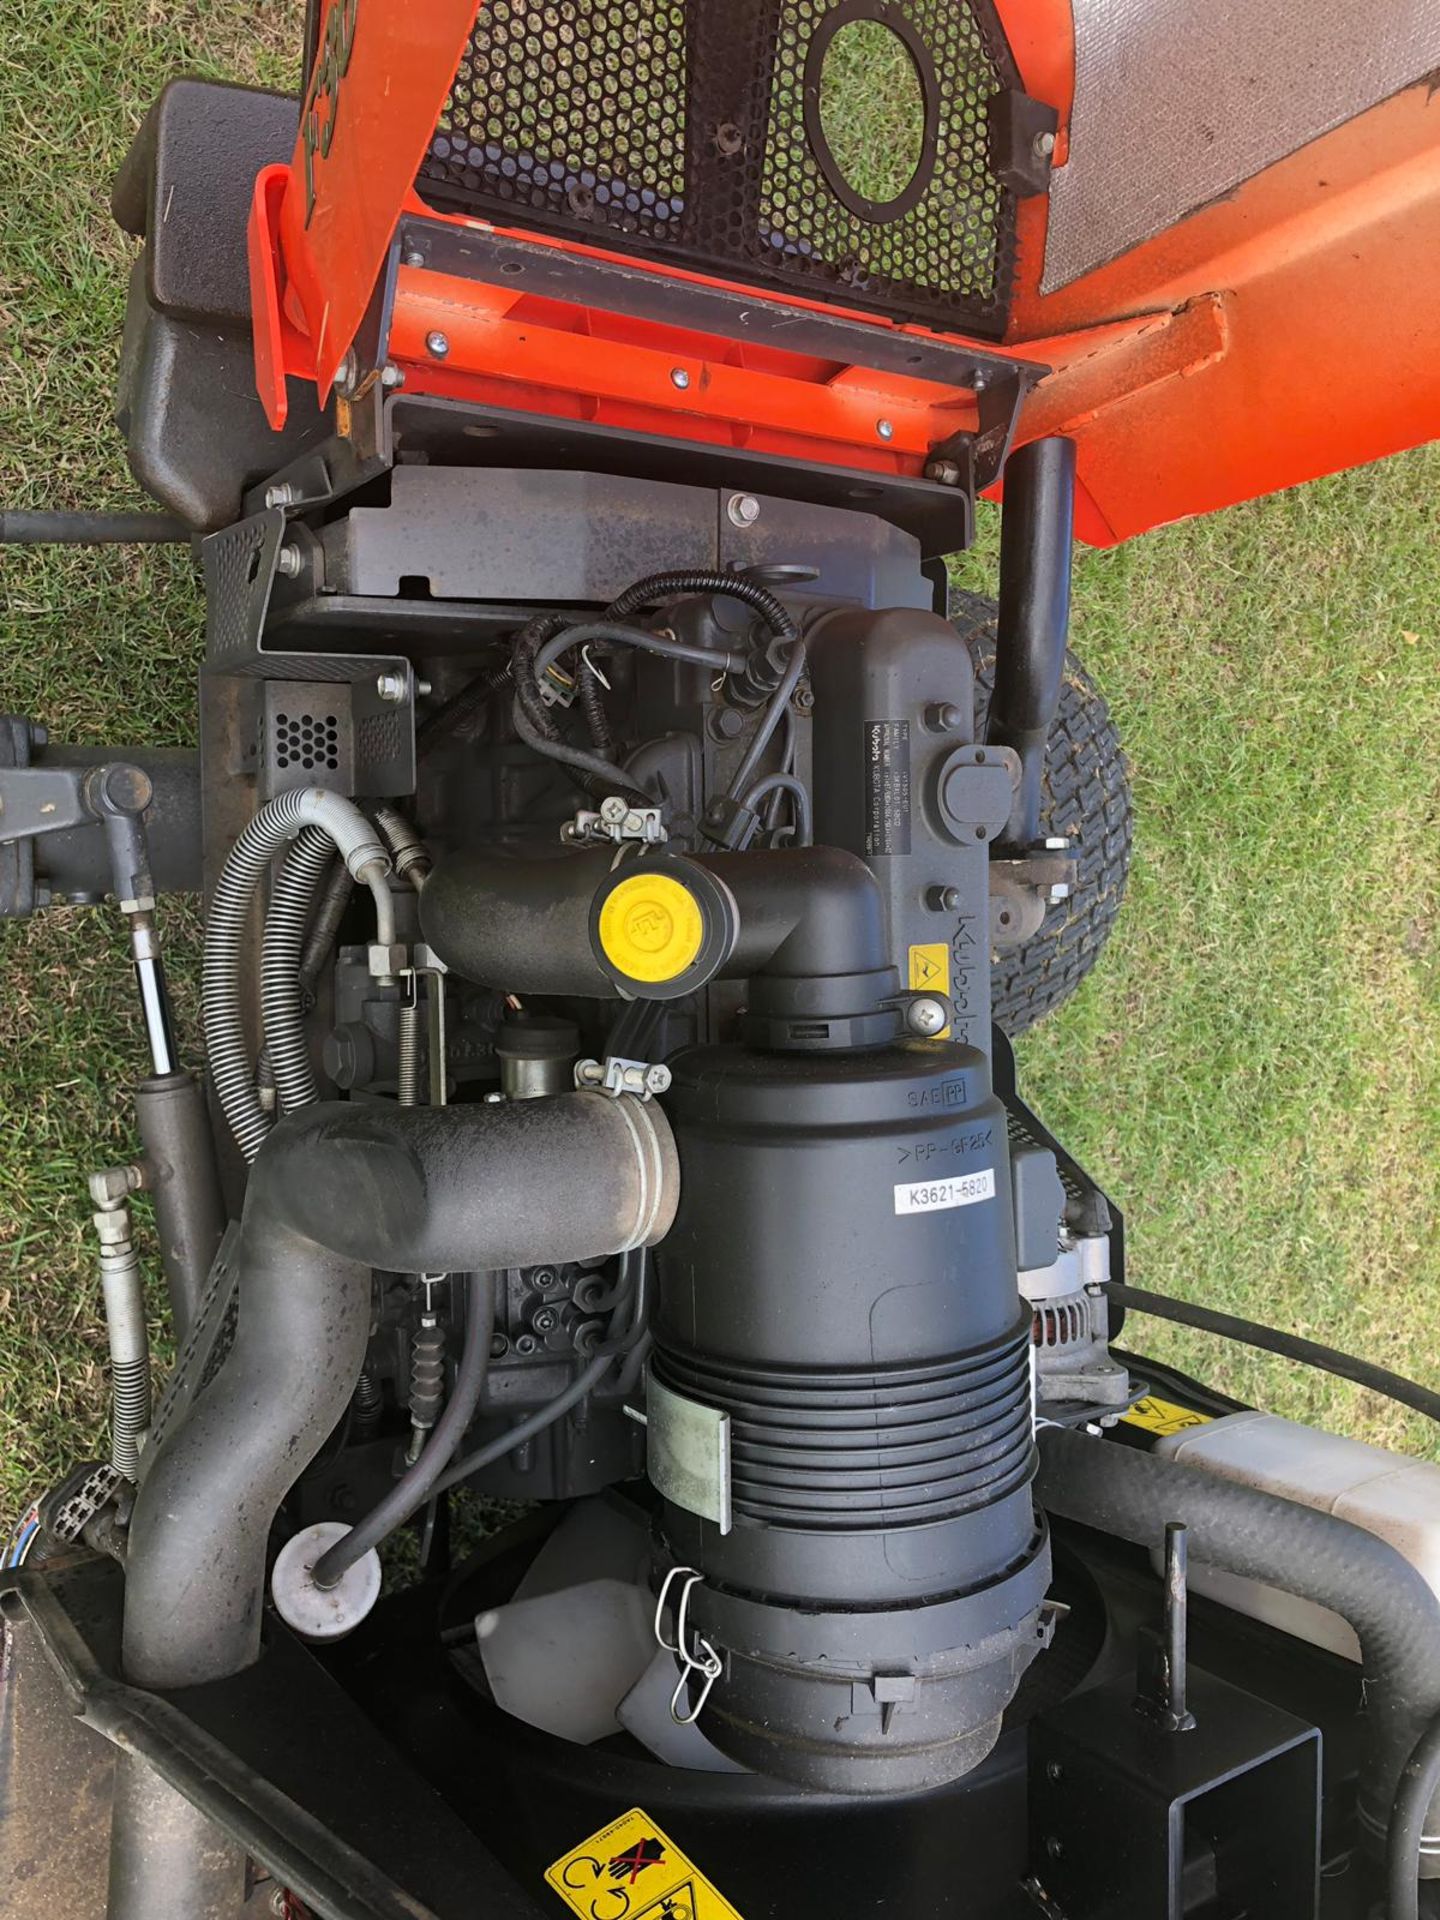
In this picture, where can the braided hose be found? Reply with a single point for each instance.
(278, 821)
(282, 968)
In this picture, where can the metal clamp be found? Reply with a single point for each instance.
(616, 1076)
(617, 823)
(702, 1660)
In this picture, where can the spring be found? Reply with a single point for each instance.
(427, 1374)
(408, 1076)
(367, 1404)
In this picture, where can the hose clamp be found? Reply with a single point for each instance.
(697, 1657)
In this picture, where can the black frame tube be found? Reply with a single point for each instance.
(1036, 537)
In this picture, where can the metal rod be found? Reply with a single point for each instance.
(154, 996)
(91, 529)
(1177, 1608)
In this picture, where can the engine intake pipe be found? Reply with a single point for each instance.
(805, 926)
(336, 1191)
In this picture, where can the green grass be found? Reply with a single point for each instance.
(1254, 1071)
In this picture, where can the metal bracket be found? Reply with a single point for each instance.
(617, 823)
(701, 1659)
(616, 1076)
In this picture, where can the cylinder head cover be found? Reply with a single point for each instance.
(840, 1283)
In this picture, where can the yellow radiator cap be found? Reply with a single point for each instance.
(651, 927)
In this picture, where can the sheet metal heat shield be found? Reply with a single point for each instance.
(1177, 104)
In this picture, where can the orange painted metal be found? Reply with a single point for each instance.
(370, 113)
(1288, 331)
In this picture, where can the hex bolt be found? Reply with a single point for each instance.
(743, 509)
(414, 258)
(725, 723)
(282, 495)
(392, 376)
(943, 899)
(437, 344)
(679, 378)
(804, 700)
(544, 1320)
(946, 472)
(390, 686)
(289, 561)
(885, 429)
(1043, 145)
(347, 374)
(943, 716)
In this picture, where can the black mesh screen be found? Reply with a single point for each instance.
(703, 132)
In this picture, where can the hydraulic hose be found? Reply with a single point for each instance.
(1394, 1612)
(415, 1486)
(338, 1190)
(278, 821)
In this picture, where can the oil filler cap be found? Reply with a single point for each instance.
(662, 928)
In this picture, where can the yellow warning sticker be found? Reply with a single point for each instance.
(1164, 1416)
(930, 971)
(630, 1870)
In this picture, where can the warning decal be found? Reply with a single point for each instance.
(929, 971)
(1164, 1416)
(630, 1870)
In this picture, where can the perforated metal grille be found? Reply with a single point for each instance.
(307, 740)
(693, 131)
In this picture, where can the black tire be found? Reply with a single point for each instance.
(1087, 798)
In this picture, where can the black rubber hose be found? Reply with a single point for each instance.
(527, 1429)
(336, 1191)
(416, 1484)
(1290, 1346)
(92, 530)
(614, 633)
(799, 793)
(665, 586)
(592, 702)
(1406, 1845)
(1132, 1494)
(536, 726)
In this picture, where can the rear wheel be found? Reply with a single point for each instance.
(1086, 798)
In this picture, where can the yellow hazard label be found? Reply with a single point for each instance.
(630, 1870)
(1164, 1416)
(930, 972)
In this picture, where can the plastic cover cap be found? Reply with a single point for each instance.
(322, 1613)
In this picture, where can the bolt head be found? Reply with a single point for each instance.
(1043, 145)
(392, 376)
(885, 429)
(743, 509)
(390, 686)
(414, 258)
(926, 1016)
(437, 344)
(614, 810)
(945, 472)
(289, 561)
(679, 378)
(279, 496)
(943, 899)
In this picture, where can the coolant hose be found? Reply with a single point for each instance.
(1396, 1616)
(415, 1485)
(278, 821)
(339, 1189)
